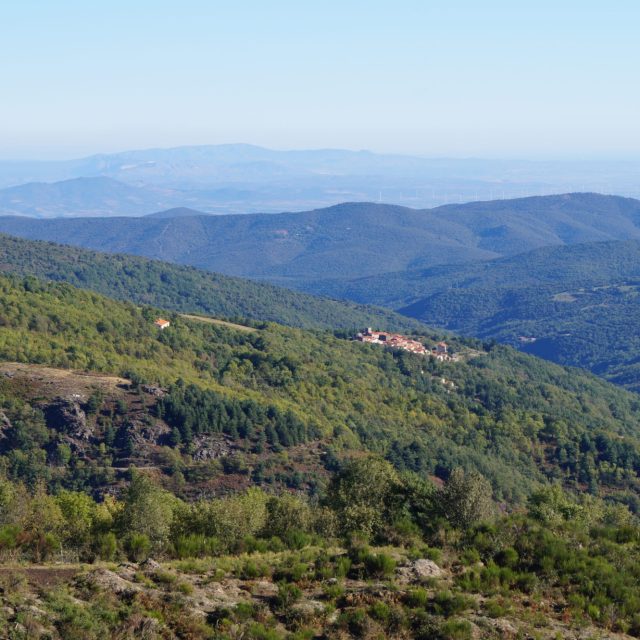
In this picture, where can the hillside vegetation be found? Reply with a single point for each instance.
(293, 484)
(349, 240)
(187, 289)
(576, 301)
(518, 420)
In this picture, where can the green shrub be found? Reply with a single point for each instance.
(417, 597)
(448, 604)
(507, 557)
(470, 556)
(456, 630)
(288, 594)
(137, 546)
(379, 565)
(252, 569)
(380, 611)
(196, 546)
(496, 608)
(355, 621)
(107, 546)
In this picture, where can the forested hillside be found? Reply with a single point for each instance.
(578, 302)
(294, 484)
(349, 240)
(518, 420)
(187, 289)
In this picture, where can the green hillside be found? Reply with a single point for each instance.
(518, 420)
(291, 484)
(579, 303)
(187, 289)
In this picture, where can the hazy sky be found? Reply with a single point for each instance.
(451, 77)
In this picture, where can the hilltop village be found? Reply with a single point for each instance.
(396, 341)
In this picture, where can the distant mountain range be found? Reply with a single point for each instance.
(239, 178)
(83, 197)
(350, 240)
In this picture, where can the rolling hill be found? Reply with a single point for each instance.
(187, 289)
(517, 419)
(349, 240)
(78, 197)
(575, 304)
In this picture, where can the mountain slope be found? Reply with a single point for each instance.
(578, 302)
(519, 420)
(350, 240)
(176, 212)
(187, 289)
(81, 197)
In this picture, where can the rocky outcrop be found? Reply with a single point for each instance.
(210, 447)
(67, 416)
(157, 392)
(111, 582)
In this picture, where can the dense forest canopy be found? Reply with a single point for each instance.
(518, 420)
(187, 289)
(569, 304)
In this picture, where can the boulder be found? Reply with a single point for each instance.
(419, 570)
(211, 446)
(112, 582)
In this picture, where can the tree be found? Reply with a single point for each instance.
(466, 498)
(365, 495)
(287, 513)
(79, 513)
(147, 510)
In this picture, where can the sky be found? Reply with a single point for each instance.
(455, 78)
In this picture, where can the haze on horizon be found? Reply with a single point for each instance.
(535, 80)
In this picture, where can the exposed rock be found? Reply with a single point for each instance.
(150, 565)
(264, 589)
(5, 423)
(227, 593)
(67, 416)
(308, 608)
(158, 392)
(110, 581)
(419, 570)
(211, 446)
(143, 434)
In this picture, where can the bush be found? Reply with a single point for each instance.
(507, 558)
(456, 630)
(288, 594)
(252, 569)
(448, 604)
(379, 565)
(107, 546)
(417, 597)
(137, 546)
(196, 546)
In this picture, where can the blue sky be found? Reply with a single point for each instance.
(436, 78)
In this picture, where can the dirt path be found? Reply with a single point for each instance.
(224, 323)
(41, 576)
